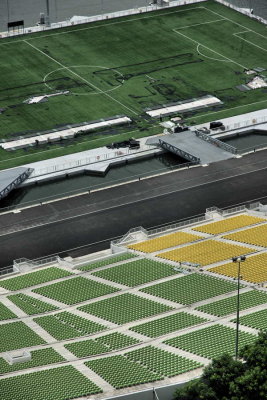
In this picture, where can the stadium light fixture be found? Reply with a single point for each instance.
(238, 260)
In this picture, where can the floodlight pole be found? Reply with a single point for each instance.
(238, 260)
(7, 5)
(47, 13)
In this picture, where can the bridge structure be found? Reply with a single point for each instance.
(195, 146)
(12, 178)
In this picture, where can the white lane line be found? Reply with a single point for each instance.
(202, 23)
(248, 41)
(80, 77)
(211, 58)
(216, 52)
(236, 23)
(99, 26)
(136, 201)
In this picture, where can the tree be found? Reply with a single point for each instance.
(229, 379)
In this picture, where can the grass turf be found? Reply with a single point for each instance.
(125, 65)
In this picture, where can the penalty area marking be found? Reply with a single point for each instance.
(85, 66)
(83, 79)
(206, 47)
(211, 58)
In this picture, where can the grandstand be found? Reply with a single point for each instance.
(134, 318)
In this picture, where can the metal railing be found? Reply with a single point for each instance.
(216, 142)
(92, 188)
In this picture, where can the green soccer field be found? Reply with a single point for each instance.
(125, 65)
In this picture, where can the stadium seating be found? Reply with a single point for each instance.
(30, 305)
(137, 272)
(103, 344)
(6, 313)
(34, 278)
(162, 362)
(191, 288)
(75, 290)
(229, 224)
(62, 383)
(17, 335)
(254, 269)
(65, 325)
(211, 342)
(124, 308)
(256, 320)
(39, 357)
(164, 242)
(256, 236)
(227, 306)
(168, 324)
(121, 372)
(107, 261)
(205, 252)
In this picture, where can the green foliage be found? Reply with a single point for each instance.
(6, 313)
(191, 288)
(17, 335)
(62, 383)
(137, 272)
(75, 290)
(65, 325)
(30, 305)
(171, 323)
(111, 260)
(124, 308)
(228, 379)
(39, 358)
(34, 278)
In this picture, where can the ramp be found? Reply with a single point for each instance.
(12, 178)
(195, 148)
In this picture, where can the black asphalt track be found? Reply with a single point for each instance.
(85, 224)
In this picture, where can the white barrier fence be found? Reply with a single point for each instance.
(83, 162)
(100, 17)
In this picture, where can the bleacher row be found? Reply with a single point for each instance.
(91, 318)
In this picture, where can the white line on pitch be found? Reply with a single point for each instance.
(211, 58)
(248, 41)
(219, 54)
(98, 26)
(136, 201)
(80, 77)
(236, 23)
(202, 23)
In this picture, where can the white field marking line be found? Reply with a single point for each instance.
(219, 54)
(80, 77)
(99, 26)
(233, 108)
(136, 201)
(236, 23)
(248, 41)
(202, 23)
(211, 58)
